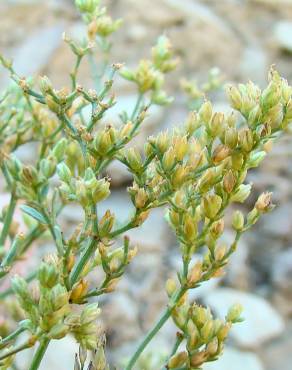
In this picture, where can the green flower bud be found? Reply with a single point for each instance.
(206, 112)
(241, 193)
(64, 172)
(48, 167)
(177, 360)
(253, 216)
(99, 359)
(193, 335)
(101, 191)
(20, 287)
(48, 275)
(29, 175)
(180, 147)
(275, 115)
(190, 228)
(271, 95)
(106, 223)
(211, 205)
(60, 149)
(59, 297)
(234, 313)
(231, 137)
(14, 167)
(238, 220)
(58, 331)
(168, 160)
(170, 287)
(87, 6)
(246, 139)
(81, 193)
(90, 314)
(255, 116)
(237, 161)
(45, 85)
(217, 124)
(134, 159)
(104, 25)
(102, 142)
(212, 347)
(234, 97)
(256, 158)
(207, 331)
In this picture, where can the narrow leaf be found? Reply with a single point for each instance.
(34, 214)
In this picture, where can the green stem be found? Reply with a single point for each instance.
(11, 336)
(165, 316)
(77, 269)
(15, 350)
(8, 219)
(39, 354)
(138, 102)
(177, 343)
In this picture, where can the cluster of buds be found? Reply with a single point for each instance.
(98, 361)
(85, 327)
(48, 304)
(203, 335)
(273, 106)
(86, 191)
(149, 75)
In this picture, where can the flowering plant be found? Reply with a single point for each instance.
(196, 171)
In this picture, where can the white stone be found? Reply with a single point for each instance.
(60, 354)
(261, 321)
(233, 359)
(36, 51)
(283, 35)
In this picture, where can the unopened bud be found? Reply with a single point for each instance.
(211, 205)
(238, 220)
(177, 360)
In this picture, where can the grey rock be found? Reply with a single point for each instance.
(59, 352)
(283, 35)
(36, 51)
(262, 322)
(254, 64)
(120, 315)
(118, 174)
(279, 223)
(200, 11)
(234, 359)
(282, 270)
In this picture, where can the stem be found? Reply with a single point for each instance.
(8, 219)
(138, 102)
(177, 343)
(39, 354)
(77, 269)
(75, 71)
(17, 349)
(165, 316)
(11, 255)
(11, 336)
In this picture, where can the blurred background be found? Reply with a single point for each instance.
(242, 38)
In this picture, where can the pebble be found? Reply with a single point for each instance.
(261, 321)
